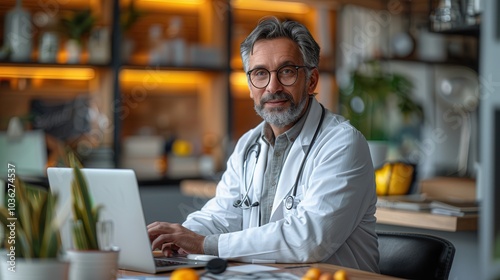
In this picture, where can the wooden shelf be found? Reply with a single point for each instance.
(426, 220)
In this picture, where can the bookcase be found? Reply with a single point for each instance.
(172, 73)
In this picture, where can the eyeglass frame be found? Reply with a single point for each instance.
(297, 67)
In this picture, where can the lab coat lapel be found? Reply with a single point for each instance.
(258, 180)
(294, 160)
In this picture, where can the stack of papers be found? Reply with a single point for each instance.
(454, 208)
(416, 202)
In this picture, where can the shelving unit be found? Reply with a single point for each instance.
(201, 99)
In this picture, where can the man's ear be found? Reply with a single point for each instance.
(313, 81)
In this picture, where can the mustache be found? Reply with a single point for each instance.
(275, 96)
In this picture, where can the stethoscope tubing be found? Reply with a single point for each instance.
(290, 199)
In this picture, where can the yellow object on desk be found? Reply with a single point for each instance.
(394, 178)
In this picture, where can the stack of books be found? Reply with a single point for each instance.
(454, 208)
(413, 202)
(419, 202)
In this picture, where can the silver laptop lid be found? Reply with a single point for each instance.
(118, 192)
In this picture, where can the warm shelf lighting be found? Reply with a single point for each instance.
(239, 79)
(59, 73)
(271, 6)
(173, 2)
(162, 77)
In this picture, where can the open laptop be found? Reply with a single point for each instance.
(118, 192)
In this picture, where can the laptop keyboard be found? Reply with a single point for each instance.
(163, 263)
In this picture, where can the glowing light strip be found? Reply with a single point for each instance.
(162, 76)
(271, 6)
(239, 79)
(55, 73)
(177, 2)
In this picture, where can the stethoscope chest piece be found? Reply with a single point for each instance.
(289, 202)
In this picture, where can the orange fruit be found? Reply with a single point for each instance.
(184, 274)
(340, 275)
(312, 273)
(326, 276)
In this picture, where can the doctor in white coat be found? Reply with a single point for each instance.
(299, 187)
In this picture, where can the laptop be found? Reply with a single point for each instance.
(117, 190)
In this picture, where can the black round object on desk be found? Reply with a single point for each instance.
(216, 266)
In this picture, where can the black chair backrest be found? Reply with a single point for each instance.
(415, 255)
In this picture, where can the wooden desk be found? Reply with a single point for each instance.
(299, 270)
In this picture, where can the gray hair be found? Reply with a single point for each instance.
(272, 28)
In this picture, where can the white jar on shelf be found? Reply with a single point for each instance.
(49, 46)
(19, 33)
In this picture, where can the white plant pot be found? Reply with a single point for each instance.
(74, 51)
(98, 265)
(35, 269)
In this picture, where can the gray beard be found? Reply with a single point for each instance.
(280, 117)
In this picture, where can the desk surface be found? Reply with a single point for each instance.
(299, 270)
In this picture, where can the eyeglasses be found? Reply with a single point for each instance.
(287, 75)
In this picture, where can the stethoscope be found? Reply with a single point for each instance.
(244, 202)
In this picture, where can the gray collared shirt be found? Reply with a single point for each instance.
(279, 148)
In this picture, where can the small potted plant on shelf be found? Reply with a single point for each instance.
(93, 256)
(368, 101)
(31, 234)
(128, 17)
(75, 25)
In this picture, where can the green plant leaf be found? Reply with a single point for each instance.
(372, 88)
(83, 209)
(79, 236)
(51, 237)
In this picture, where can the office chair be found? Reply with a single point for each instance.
(414, 255)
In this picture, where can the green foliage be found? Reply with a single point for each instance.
(129, 16)
(85, 214)
(77, 24)
(36, 230)
(365, 101)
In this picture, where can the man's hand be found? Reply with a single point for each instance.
(171, 238)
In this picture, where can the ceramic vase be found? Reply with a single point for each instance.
(18, 33)
(93, 264)
(34, 269)
(73, 51)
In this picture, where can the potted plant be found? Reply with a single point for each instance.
(75, 25)
(32, 234)
(367, 101)
(128, 17)
(93, 256)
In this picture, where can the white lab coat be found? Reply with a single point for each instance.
(333, 223)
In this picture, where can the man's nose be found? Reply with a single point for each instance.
(274, 84)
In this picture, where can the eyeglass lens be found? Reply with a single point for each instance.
(287, 75)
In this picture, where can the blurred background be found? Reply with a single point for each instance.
(158, 86)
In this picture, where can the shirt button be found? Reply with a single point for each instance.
(277, 154)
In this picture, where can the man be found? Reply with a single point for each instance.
(299, 187)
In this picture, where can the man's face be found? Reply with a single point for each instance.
(277, 104)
